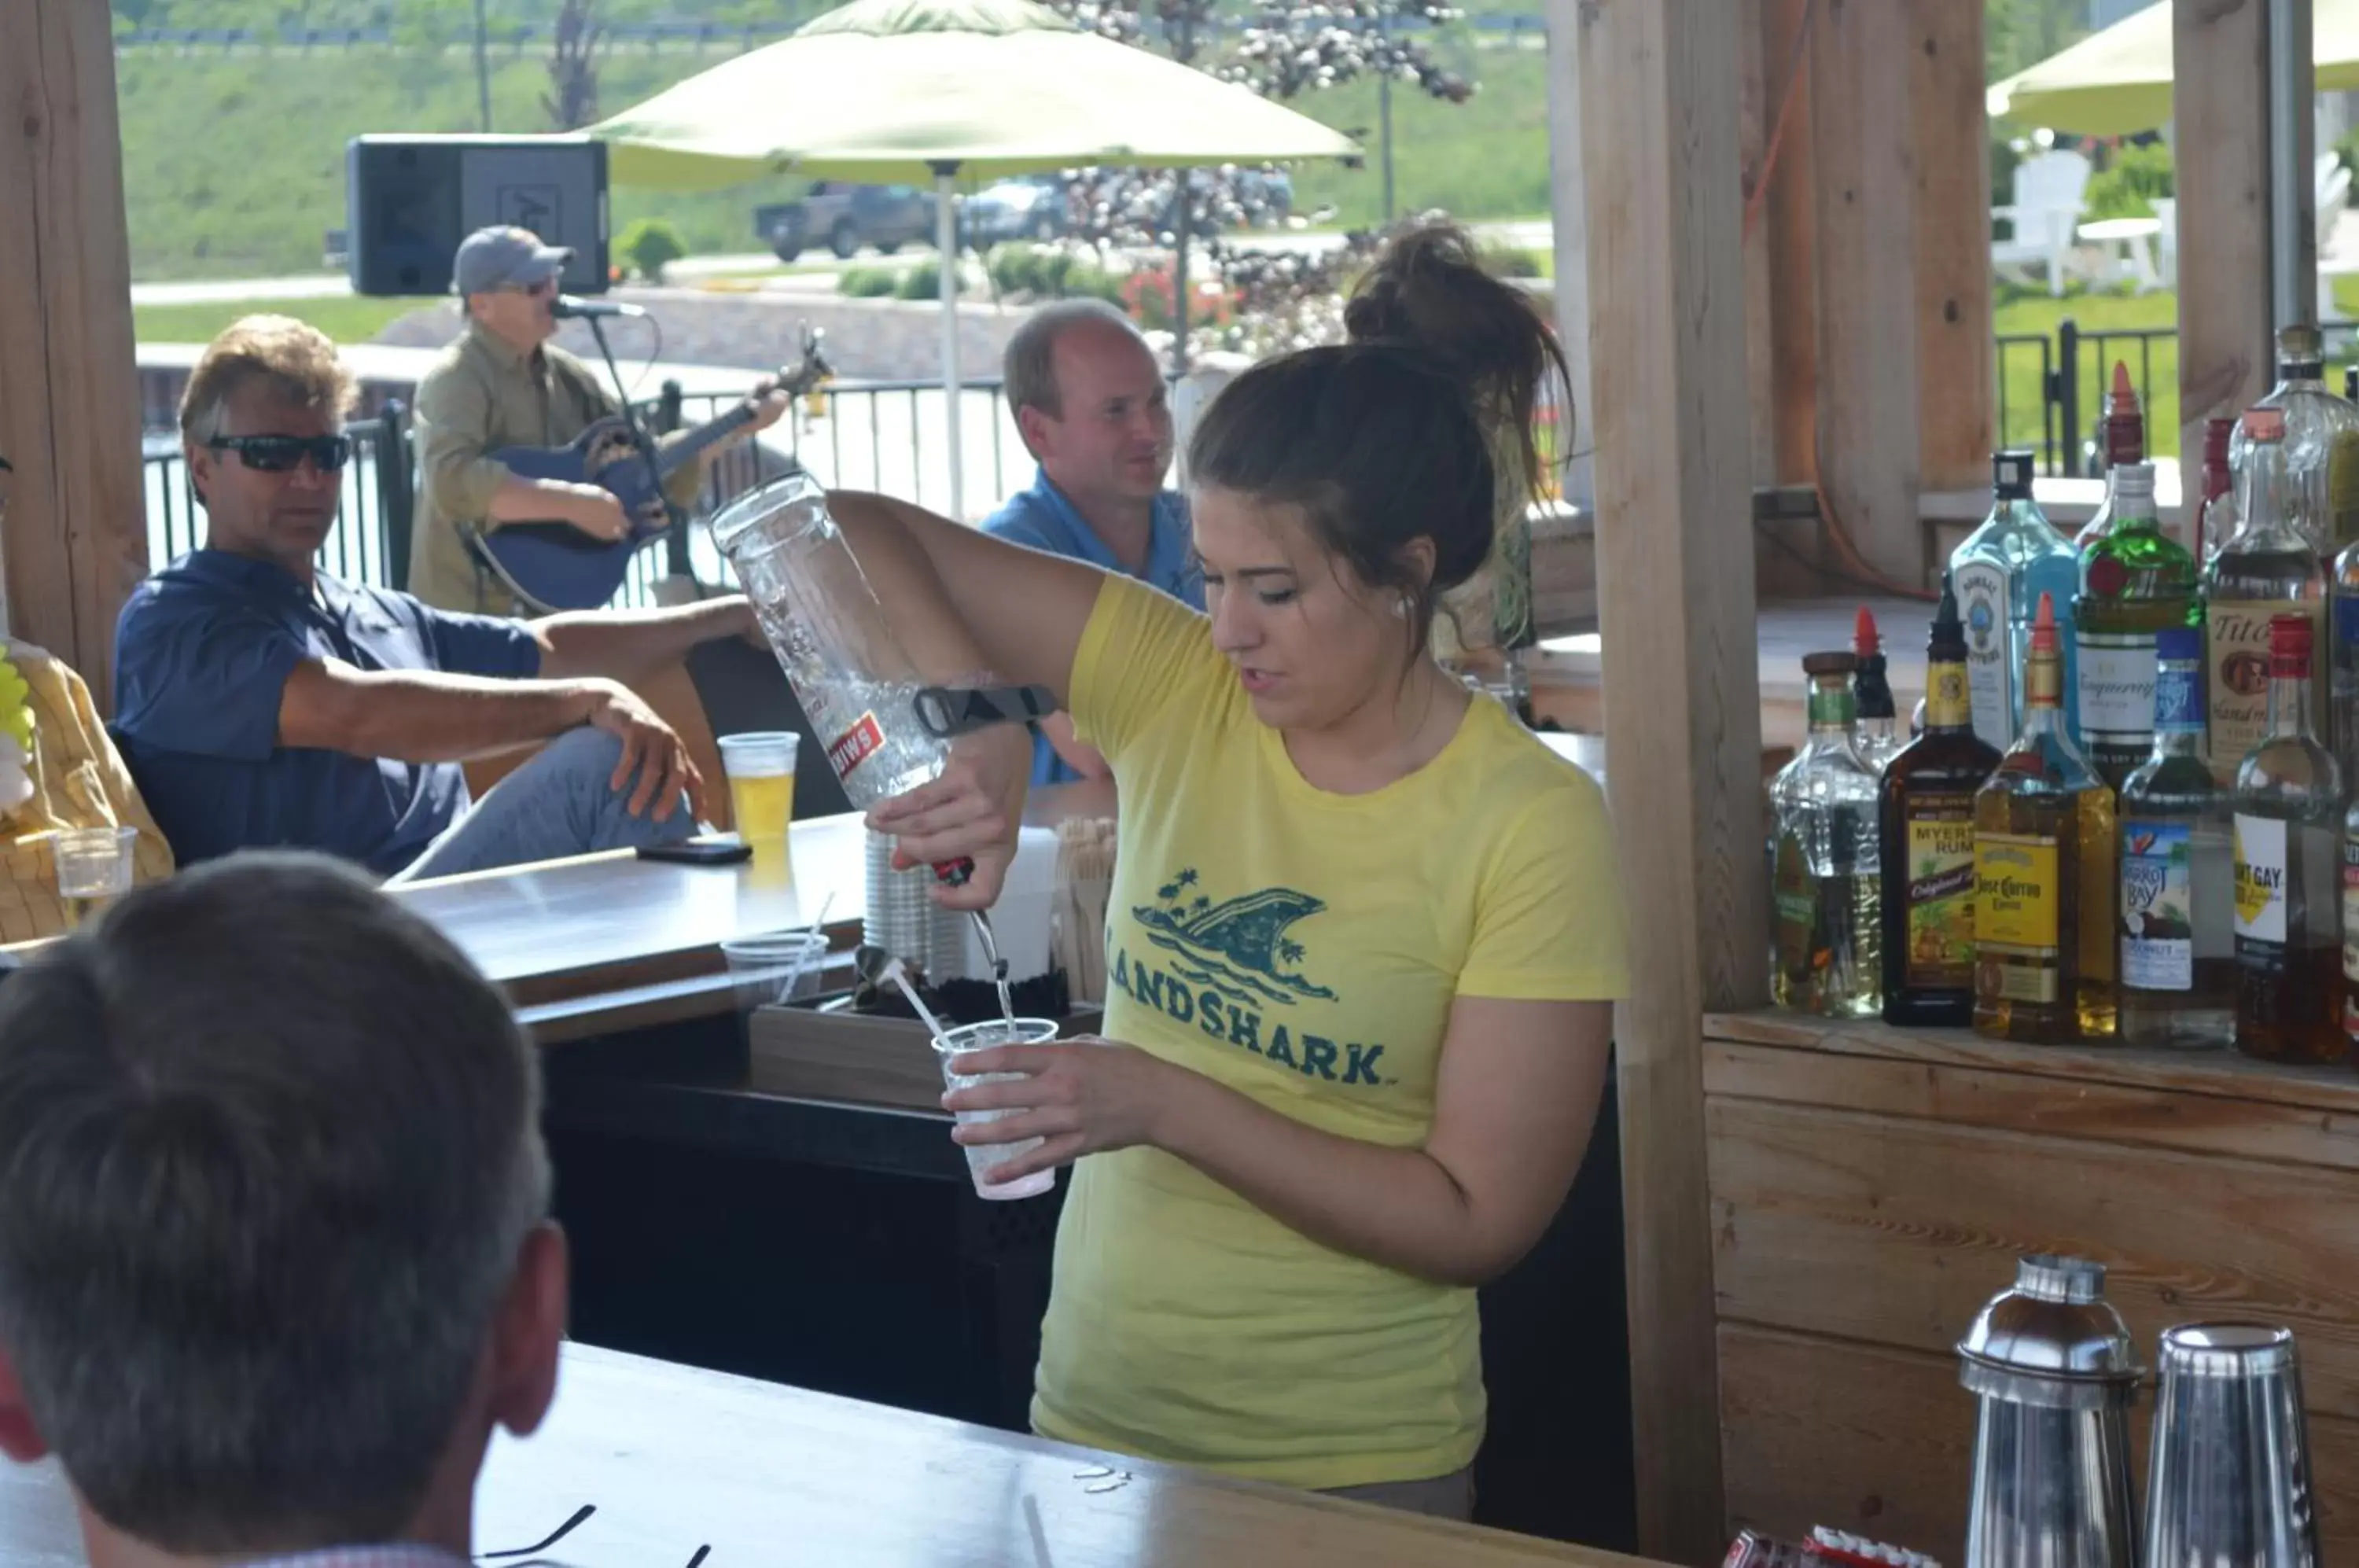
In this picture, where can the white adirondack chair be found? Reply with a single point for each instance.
(2046, 212)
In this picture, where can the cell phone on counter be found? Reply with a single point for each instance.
(712, 850)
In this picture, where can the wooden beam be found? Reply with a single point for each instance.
(1860, 118)
(1759, 83)
(1951, 149)
(2221, 144)
(1570, 222)
(1659, 85)
(75, 541)
(1789, 222)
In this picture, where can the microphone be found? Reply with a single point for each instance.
(565, 308)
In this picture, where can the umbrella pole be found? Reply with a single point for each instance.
(946, 243)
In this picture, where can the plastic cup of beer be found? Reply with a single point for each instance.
(982, 1157)
(761, 769)
(93, 869)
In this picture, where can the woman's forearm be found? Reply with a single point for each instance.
(1399, 1207)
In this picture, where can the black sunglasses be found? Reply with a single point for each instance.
(280, 454)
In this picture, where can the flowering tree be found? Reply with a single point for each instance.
(1283, 49)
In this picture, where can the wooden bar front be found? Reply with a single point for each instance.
(1872, 1188)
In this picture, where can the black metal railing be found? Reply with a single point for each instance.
(2032, 422)
(880, 435)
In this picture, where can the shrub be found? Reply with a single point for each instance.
(923, 281)
(651, 244)
(1502, 261)
(867, 282)
(2128, 185)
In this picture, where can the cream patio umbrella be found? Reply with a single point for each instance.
(2118, 81)
(901, 90)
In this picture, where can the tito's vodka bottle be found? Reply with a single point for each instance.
(2266, 570)
(1999, 574)
(2044, 891)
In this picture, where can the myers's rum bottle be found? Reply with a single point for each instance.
(1825, 885)
(2266, 570)
(2044, 874)
(2289, 848)
(2177, 943)
(1927, 818)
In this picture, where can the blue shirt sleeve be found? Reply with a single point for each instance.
(196, 674)
(490, 645)
(1017, 528)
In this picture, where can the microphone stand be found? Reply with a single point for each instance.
(673, 515)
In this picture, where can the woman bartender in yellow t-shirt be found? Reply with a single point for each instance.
(1365, 929)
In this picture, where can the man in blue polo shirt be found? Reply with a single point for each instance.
(1092, 405)
(260, 701)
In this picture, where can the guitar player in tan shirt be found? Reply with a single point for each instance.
(504, 384)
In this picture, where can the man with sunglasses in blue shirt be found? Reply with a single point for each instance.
(261, 701)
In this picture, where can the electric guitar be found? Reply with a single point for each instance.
(555, 566)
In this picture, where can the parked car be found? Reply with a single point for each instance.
(1034, 207)
(1024, 207)
(845, 217)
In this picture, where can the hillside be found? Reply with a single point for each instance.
(255, 194)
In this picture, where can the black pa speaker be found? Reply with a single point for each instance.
(410, 199)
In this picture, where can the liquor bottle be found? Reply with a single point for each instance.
(2342, 696)
(2134, 581)
(1879, 723)
(2216, 513)
(1824, 885)
(2179, 956)
(2288, 833)
(1999, 572)
(2321, 440)
(2044, 950)
(1927, 818)
(2265, 570)
(2121, 443)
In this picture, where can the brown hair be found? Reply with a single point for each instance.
(1418, 427)
(269, 1146)
(298, 359)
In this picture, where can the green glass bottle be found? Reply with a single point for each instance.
(2135, 580)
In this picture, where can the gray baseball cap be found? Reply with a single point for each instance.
(501, 257)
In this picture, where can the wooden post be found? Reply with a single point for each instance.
(1659, 91)
(1572, 258)
(76, 540)
(2220, 107)
(1867, 445)
(1956, 392)
(1789, 222)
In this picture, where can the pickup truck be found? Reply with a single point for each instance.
(845, 217)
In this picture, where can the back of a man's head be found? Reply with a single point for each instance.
(268, 1151)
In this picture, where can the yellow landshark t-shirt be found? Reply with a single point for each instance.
(1302, 948)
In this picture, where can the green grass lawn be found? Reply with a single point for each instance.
(346, 320)
(255, 194)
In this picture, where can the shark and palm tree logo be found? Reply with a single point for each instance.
(1239, 945)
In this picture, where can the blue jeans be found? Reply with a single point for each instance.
(555, 805)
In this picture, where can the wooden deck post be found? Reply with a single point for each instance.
(2220, 106)
(1956, 399)
(1659, 91)
(76, 536)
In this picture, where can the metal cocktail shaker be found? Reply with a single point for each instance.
(2055, 1372)
(2230, 1483)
